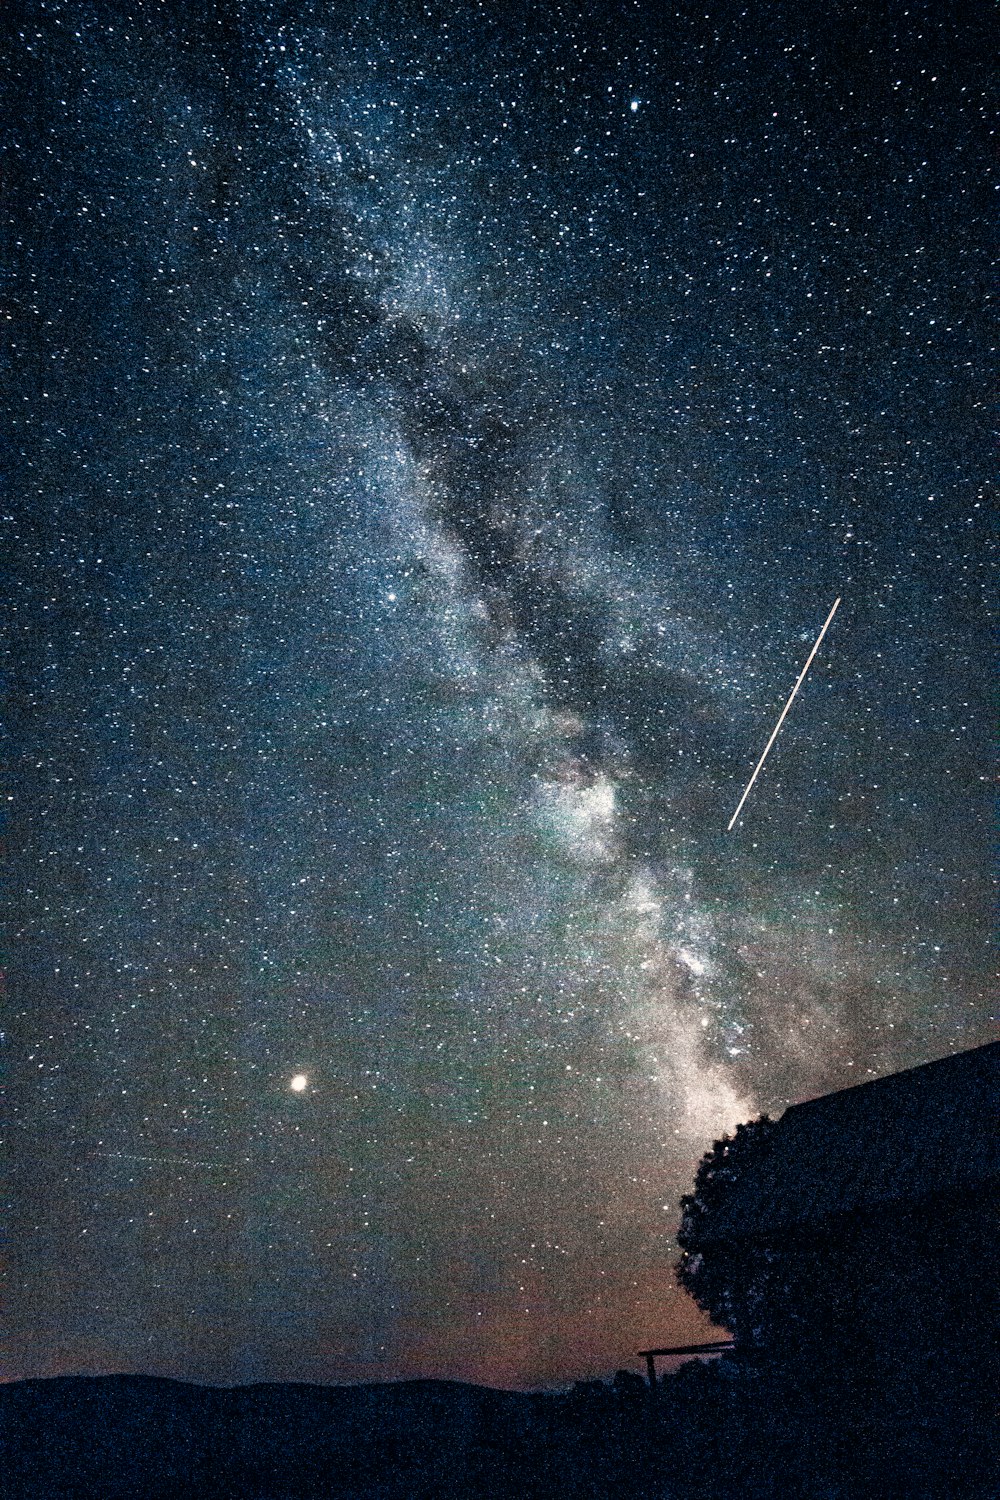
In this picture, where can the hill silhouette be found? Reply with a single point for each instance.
(135, 1437)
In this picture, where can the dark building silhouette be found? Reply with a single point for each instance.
(851, 1248)
(925, 1139)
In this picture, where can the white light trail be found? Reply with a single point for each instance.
(160, 1161)
(784, 711)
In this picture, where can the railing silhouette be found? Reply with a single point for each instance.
(652, 1355)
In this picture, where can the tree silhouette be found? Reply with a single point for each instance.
(727, 1281)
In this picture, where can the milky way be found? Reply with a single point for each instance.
(437, 439)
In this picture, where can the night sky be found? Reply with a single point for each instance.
(438, 433)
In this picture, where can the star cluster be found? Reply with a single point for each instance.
(436, 439)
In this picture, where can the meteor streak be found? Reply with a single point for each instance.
(160, 1161)
(784, 711)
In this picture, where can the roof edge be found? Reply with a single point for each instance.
(986, 1051)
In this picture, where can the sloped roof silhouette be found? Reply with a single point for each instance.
(901, 1140)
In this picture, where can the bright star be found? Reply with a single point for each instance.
(299, 1083)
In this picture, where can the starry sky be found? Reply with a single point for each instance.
(436, 435)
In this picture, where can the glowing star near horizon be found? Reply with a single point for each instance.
(784, 711)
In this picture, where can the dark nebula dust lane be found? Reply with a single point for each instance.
(435, 439)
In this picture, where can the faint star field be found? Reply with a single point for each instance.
(435, 436)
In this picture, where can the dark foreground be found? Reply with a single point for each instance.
(720, 1432)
